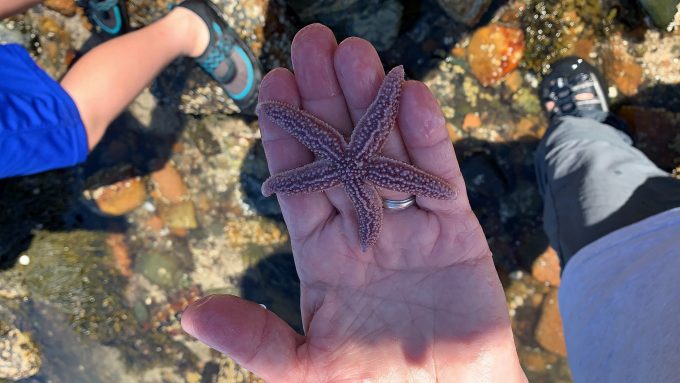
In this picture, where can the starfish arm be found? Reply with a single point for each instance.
(369, 212)
(395, 175)
(373, 128)
(317, 135)
(314, 177)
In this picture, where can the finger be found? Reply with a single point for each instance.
(312, 55)
(303, 212)
(254, 337)
(429, 147)
(360, 73)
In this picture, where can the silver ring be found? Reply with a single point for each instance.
(399, 204)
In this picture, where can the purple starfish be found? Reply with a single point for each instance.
(358, 166)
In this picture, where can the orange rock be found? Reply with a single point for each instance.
(514, 81)
(583, 48)
(121, 197)
(155, 223)
(471, 121)
(169, 183)
(529, 128)
(546, 268)
(458, 51)
(621, 68)
(65, 7)
(178, 147)
(549, 332)
(179, 232)
(495, 51)
(453, 134)
(120, 252)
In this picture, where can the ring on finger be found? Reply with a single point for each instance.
(399, 204)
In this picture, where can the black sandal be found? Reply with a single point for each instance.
(109, 16)
(569, 78)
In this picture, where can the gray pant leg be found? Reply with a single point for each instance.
(593, 182)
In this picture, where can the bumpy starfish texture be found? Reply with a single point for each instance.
(357, 165)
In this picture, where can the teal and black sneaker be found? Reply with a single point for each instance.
(108, 16)
(228, 59)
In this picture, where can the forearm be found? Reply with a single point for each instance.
(12, 7)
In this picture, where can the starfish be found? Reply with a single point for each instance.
(358, 165)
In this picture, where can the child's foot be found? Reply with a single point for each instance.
(228, 59)
(109, 16)
(573, 88)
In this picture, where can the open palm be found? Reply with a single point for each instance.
(424, 304)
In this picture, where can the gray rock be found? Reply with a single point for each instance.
(465, 11)
(662, 12)
(19, 356)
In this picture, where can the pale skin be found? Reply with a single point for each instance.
(109, 77)
(424, 305)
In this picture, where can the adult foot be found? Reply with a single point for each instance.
(227, 58)
(573, 88)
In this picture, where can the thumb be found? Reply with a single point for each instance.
(253, 336)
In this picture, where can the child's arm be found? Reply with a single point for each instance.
(12, 7)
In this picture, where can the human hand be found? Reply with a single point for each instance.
(424, 304)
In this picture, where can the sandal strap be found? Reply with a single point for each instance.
(218, 54)
(102, 5)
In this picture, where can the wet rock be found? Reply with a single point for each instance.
(169, 184)
(536, 360)
(73, 272)
(660, 141)
(225, 370)
(621, 68)
(166, 317)
(120, 198)
(377, 21)
(553, 27)
(256, 231)
(19, 355)
(529, 128)
(514, 81)
(54, 46)
(120, 252)
(181, 215)
(161, 269)
(453, 133)
(10, 33)
(65, 7)
(662, 12)
(525, 101)
(495, 51)
(546, 268)
(467, 12)
(549, 332)
(472, 121)
(584, 48)
(660, 56)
